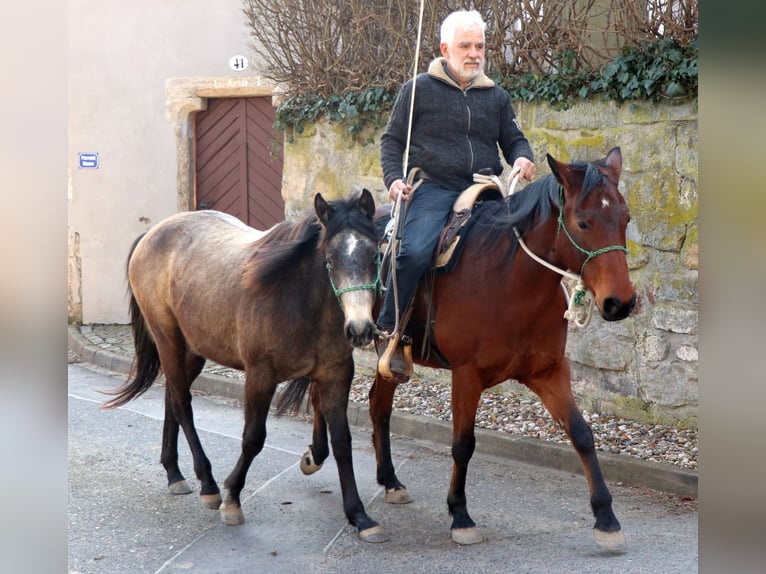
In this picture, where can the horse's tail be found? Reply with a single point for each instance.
(291, 398)
(146, 365)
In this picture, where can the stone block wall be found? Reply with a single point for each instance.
(644, 367)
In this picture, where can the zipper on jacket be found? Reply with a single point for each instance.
(468, 131)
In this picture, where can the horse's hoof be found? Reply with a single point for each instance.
(466, 536)
(375, 534)
(211, 501)
(232, 515)
(308, 466)
(398, 496)
(611, 541)
(180, 487)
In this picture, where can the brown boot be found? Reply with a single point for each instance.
(394, 357)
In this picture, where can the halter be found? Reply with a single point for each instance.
(375, 286)
(590, 254)
(579, 290)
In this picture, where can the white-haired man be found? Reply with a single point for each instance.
(460, 118)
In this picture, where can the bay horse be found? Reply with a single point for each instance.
(291, 302)
(499, 315)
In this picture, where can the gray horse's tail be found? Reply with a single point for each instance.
(146, 365)
(291, 397)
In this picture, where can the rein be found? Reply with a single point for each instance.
(575, 311)
(375, 286)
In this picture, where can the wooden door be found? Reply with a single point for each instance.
(238, 160)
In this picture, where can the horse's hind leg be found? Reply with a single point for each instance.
(319, 449)
(556, 395)
(169, 458)
(181, 368)
(381, 405)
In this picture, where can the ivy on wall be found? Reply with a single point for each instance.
(662, 70)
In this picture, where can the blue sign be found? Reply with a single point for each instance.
(88, 161)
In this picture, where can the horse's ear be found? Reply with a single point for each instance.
(322, 208)
(367, 204)
(614, 160)
(554, 166)
(561, 171)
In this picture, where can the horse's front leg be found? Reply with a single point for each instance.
(333, 402)
(259, 391)
(466, 391)
(319, 449)
(556, 394)
(381, 406)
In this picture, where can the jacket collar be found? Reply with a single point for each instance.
(438, 69)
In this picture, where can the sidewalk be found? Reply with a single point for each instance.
(111, 347)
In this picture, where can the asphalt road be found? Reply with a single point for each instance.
(534, 519)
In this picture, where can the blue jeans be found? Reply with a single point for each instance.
(427, 214)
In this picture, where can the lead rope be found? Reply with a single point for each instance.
(393, 246)
(578, 313)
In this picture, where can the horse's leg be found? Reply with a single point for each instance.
(319, 449)
(381, 405)
(466, 391)
(180, 369)
(556, 394)
(258, 394)
(169, 458)
(333, 403)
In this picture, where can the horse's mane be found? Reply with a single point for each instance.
(527, 209)
(282, 249)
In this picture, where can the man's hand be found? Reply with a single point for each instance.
(399, 187)
(527, 169)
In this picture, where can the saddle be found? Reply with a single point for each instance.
(486, 188)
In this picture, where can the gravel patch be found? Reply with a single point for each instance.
(524, 414)
(518, 412)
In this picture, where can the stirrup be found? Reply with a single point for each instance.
(395, 362)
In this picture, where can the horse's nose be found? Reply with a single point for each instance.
(614, 309)
(360, 333)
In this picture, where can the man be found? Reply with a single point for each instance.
(460, 117)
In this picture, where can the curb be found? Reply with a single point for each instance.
(618, 468)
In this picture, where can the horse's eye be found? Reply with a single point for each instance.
(582, 225)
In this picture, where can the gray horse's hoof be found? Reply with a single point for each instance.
(232, 515)
(211, 501)
(466, 536)
(375, 534)
(308, 465)
(398, 496)
(611, 541)
(180, 487)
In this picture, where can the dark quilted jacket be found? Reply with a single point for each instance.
(455, 133)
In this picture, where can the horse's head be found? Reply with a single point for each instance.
(594, 217)
(351, 256)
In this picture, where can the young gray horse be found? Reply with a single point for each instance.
(292, 302)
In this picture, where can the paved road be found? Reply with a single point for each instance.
(535, 520)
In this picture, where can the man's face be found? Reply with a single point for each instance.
(465, 55)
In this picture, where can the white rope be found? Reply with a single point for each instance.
(576, 312)
(579, 316)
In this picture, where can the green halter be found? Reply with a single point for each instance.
(375, 286)
(590, 254)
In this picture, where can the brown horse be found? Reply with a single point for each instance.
(288, 303)
(499, 315)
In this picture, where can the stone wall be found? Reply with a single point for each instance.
(644, 367)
